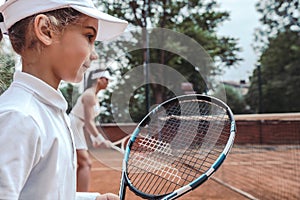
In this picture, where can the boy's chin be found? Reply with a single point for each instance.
(76, 79)
(79, 76)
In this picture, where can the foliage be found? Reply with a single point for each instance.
(277, 16)
(106, 109)
(71, 95)
(197, 19)
(280, 75)
(7, 64)
(279, 60)
(234, 99)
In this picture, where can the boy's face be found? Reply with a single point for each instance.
(74, 48)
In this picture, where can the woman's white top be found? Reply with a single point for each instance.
(78, 109)
(77, 117)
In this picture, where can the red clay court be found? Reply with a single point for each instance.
(263, 163)
(105, 179)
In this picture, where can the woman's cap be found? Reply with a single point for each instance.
(16, 10)
(101, 74)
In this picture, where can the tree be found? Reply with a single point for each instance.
(279, 60)
(71, 94)
(7, 64)
(197, 19)
(277, 16)
(234, 99)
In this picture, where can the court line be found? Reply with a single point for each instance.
(243, 193)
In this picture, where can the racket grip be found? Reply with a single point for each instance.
(122, 191)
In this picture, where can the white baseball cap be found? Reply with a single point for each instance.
(101, 74)
(15, 10)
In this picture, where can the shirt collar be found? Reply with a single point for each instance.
(44, 92)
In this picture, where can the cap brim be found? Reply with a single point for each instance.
(101, 74)
(109, 26)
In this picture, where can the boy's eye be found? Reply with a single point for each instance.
(90, 37)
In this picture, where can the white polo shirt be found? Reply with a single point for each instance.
(37, 153)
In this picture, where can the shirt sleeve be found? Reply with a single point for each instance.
(87, 195)
(20, 151)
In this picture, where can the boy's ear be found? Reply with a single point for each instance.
(42, 29)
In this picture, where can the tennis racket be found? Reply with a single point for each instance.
(118, 145)
(177, 147)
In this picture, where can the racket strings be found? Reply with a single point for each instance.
(180, 143)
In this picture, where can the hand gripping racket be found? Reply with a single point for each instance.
(177, 147)
(118, 145)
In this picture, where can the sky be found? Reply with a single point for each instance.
(243, 21)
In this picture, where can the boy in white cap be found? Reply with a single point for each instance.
(55, 39)
(83, 118)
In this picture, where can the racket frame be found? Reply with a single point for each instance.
(125, 182)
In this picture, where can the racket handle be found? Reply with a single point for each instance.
(122, 191)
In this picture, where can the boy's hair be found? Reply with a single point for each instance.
(22, 36)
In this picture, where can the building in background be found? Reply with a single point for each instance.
(241, 86)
